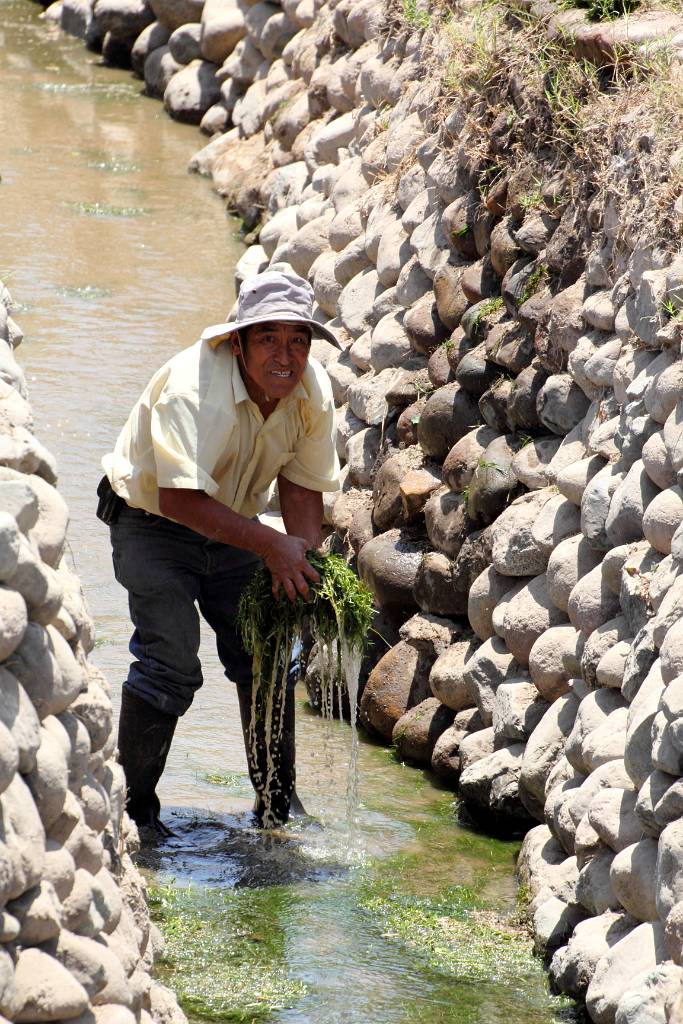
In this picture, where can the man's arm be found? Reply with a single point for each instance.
(284, 554)
(302, 511)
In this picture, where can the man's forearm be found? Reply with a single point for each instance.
(212, 519)
(283, 553)
(302, 511)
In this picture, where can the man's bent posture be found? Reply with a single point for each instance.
(191, 470)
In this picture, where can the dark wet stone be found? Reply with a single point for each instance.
(439, 369)
(458, 221)
(399, 681)
(510, 345)
(494, 405)
(449, 414)
(447, 521)
(406, 425)
(423, 325)
(416, 732)
(493, 483)
(522, 412)
(566, 251)
(388, 564)
(457, 346)
(475, 374)
(480, 318)
(474, 556)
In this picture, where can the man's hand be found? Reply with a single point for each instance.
(285, 557)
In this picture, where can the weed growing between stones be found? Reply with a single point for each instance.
(605, 10)
(414, 15)
(339, 615)
(486, 309)
(671, 310)
(533, 282)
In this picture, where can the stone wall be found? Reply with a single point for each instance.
(76, 940)
(508, 288)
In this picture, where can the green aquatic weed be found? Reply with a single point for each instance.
(106, 210)
(340, 608)
(225, 952)
(231, 780)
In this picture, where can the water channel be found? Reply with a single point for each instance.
(118, 257)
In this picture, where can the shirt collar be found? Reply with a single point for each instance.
(239, 388)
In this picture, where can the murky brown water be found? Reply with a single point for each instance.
(119, 258)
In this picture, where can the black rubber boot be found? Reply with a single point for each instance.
(277, 800)
(145, 735)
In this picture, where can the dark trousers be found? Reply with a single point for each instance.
(169, 572)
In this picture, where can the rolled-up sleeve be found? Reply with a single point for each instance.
(315, 464)
(183, 447)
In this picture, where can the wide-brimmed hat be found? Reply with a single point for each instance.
(273, 296)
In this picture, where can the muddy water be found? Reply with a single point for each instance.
(120, 258)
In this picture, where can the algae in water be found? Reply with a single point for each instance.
(225, 951)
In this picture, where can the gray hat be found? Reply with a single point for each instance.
(274, 295)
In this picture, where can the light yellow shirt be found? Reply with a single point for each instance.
(195, 426)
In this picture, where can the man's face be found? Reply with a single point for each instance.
(275, 356)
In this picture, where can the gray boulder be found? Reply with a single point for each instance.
(184, 43)
(633, 875)
(191, 92)
(528, 614)
(514, 550)
(644, 946)
(543, 750)
(574, 965)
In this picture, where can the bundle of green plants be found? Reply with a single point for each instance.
(339, 614)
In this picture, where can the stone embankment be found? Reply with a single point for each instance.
(76, 940)
(493, 228)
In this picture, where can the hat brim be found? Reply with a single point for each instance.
(219, 332)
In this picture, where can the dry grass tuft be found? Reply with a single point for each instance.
(514, 99)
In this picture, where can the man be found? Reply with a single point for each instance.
(190, 472)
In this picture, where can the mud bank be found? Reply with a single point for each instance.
(488, 205)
